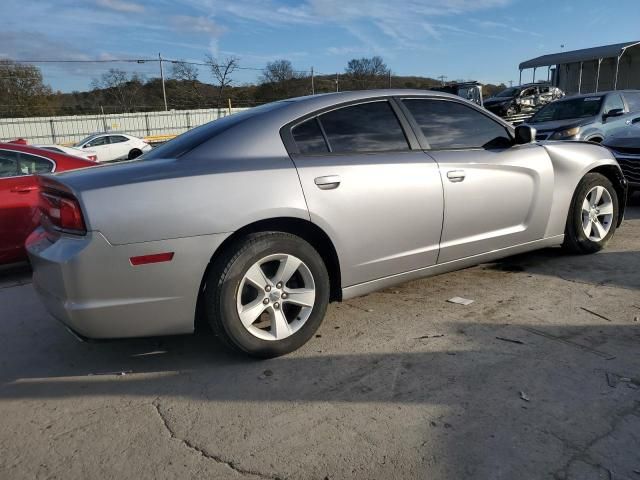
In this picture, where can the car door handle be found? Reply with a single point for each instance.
(456, 176)
(327, 183)
(24, 188)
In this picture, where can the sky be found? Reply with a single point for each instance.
(482, 40)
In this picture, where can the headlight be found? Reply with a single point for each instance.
(570, 132)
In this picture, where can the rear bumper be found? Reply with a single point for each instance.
(91, 287)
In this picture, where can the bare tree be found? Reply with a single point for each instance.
(366, 72)
(22, 90)
(188, 87)
(280, 80)
(120, 87)
(222, 69)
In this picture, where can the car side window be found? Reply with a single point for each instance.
(633, 100)
(96, 142)
(366, 127)
(309, 138)
(117, 139)
(451, 125)
(30, 164)
(612, 102)
(8, 164)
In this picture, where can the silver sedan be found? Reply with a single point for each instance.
(257, 221)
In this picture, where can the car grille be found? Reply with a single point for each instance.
(630, 166)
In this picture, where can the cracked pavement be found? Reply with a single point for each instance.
(397, 384)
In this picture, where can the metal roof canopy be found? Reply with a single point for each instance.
(583, 55)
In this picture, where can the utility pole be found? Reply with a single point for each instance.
(442, 79)
(337, 86)
(313, 87)
(389, 78)
(511, 83)
(164, 91)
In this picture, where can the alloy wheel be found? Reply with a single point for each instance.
(276, 296)
(597, 213)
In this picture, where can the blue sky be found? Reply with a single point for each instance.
(462, 39)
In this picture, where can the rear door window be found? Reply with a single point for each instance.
(96, 142)
(117, 139)
(8, 163)
(309, 138)
(31, 164)
(366, 127)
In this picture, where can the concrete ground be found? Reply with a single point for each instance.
(538, 378)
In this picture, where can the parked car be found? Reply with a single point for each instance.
(525, 98)
(471, 91)
(73, 151)
(625, 146)
(587, 117)
(114, 146)
(257, 220)
(19, 214)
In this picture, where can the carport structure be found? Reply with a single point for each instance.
(608, 67)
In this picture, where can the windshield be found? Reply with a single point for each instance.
(568, 109)
(509, 92)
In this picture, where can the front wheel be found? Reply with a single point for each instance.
(593, 215)
(268, 295)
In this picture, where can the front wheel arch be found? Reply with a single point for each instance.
(615, 176)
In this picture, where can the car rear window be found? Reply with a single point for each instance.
(197, 136)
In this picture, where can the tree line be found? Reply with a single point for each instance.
(23, 92)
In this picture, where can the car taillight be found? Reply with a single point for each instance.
(93, 158)
(63, 211)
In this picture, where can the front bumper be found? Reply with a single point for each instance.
(630, 165)
(90, 285)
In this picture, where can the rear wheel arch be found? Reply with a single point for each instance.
(304, 229)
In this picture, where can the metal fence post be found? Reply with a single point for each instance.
(53, 131)
(188, 120)
(146, 122)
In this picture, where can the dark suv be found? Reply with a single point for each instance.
(587, 117)
(625, 146)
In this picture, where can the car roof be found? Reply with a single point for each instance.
(57, 156)
(597, 94)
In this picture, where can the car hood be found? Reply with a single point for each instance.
(560, 124)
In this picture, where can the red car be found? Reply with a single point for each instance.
(19, 199)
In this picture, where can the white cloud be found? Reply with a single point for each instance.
(121, 6)
(203, 25)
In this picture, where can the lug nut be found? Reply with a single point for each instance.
(276, 305)
(284, 295)
(265, 301)
(279, 285)
(267, 288)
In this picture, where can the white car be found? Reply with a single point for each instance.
(73, 151)
(114, 146)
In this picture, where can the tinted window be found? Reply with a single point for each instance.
(96, 142)
(582, 107)
(612, 102)
(633, 99)
(117, 139)
(368, 127)
(448, 125)
(30, 164)
(308, 137)
(8, 164)
(509, 92)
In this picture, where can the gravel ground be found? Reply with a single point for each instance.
(538, 378)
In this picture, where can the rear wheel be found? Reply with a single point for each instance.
(134, 153)
(268, 295)
(593, 215)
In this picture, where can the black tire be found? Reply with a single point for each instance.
(575, 239)
(134, 153)
(223, 281)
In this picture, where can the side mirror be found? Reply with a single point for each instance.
(614, 112)
(525, 134)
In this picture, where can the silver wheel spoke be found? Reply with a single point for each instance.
(586, 205)
(606, 209)
(250, 312)
(301, 296)
(586, 222)
(256, 276)
(287, 268)
(279, 326)
(602, 232)
(599, 191)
